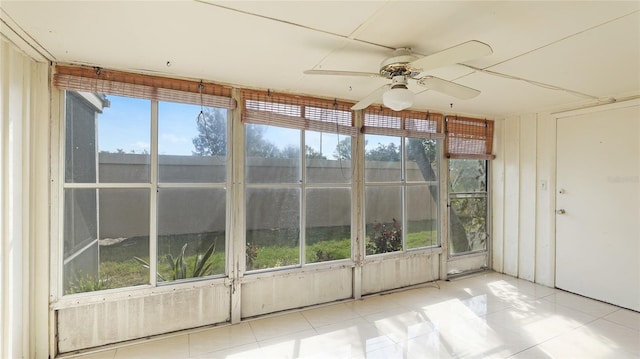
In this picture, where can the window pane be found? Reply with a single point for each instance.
(110, 261)
(193, 219)
(192, 146)
(80, 136)
(383, 212)
(382, 158)
(124, 236)
(468, 224)
(422, 216)
(467, 175)
(328, 228)
(272, 228)
(124, 137)
(422, 160)
(328, 157)
(272, 154)
(80, 241)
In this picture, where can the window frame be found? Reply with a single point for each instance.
(404, 185)
(153, 185)
(235, 188)
(404, 125)
(278, 110)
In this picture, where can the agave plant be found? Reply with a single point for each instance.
(179, 265)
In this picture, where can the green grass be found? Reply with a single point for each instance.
(125, 273)
(328, 250)
(275, 249)
(422, 239)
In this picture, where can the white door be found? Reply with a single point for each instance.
(598, 200)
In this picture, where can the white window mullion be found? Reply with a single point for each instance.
(235, 256)
(153, 197)
(58, 138)
(303, 198)
(97, 190)
(403, 191)
(357, 210)
(97, 193)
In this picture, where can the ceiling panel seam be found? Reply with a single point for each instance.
(24, 36)
(562, 39)
(535, 83)
(290, 23)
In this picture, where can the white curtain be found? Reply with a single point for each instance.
(24, 198)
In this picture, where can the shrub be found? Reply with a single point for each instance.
(385, 238)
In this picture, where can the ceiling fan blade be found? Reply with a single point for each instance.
(449, 88)
(371, 98)
(460, 53)
(341, 73)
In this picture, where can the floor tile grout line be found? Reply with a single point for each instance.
(188, 345)
(523, 350)
(620, 324)
(555, 336)
(588, 300)
(221, 349)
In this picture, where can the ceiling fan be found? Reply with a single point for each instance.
(403, 65)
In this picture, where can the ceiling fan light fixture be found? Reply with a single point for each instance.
(398, 98)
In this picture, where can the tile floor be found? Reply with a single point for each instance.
(485, 316)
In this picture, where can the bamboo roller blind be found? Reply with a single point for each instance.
(102, 81)
(384, 121)
(468, 138)
(300, 112)
(464, 137)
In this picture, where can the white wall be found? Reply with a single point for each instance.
(24, 214)
(523, 198)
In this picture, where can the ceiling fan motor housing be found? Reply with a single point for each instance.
(399, 81)
(398, 64)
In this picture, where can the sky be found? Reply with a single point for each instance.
(126, 125)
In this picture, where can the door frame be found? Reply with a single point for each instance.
(472, 261)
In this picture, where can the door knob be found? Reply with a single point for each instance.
(561, 211)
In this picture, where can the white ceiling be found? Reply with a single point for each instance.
(547, 55)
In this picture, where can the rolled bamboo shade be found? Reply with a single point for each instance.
(469, 138)
(96, 80)
(269, 108)
(384, 121)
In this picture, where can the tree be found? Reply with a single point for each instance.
(390, 152)
(343, 149)
(312, 153)
(257, 146)
(212, 137)
(465, 175)
(212, 133)
(292, 151)
(423, 151)
(469, 176)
